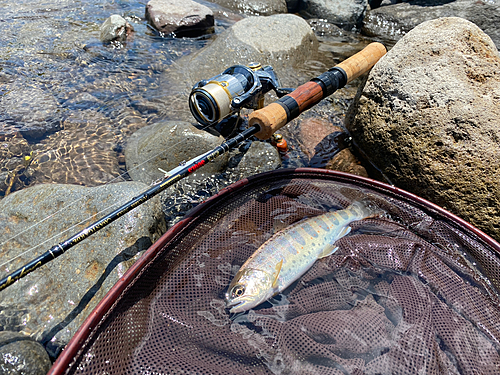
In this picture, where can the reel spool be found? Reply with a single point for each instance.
(239, 86)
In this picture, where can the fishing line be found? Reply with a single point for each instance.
(118, 178)
(262, 124)
(82, 222)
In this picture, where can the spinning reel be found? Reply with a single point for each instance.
(216, 102)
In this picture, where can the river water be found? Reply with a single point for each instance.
(68, 103)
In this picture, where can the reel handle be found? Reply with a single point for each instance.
(285, 109)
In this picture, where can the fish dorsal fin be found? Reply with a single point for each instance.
(330, 249)
(277, 273)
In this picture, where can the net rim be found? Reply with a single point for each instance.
(95, 317)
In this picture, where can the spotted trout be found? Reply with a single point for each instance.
(289, 253)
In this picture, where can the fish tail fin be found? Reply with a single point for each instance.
(365, 208)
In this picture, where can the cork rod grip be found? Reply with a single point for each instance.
(279, 113)
(363, 61)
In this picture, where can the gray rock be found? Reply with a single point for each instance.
(34, 112)
(346, 14)
(53, 301)
(282, 40)
(257, 7)
(19, 355)
(115, 28)
(393, 21)
(322, 27)
(184, 18)
(260, 157)
(428, 117)
(165, 145)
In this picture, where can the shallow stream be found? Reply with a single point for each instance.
(68, 103)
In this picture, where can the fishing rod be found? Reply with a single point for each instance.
(212, 102)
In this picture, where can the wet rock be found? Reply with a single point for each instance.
(282, 41)
(428, 119)
(257, 7)
(115, 28)
(166, 145)
(53, 301)
(322, 27)
(19, 355)
(312, 131)
(345, 161)
(260, 157)
(346, 14)
(393, 21)
(30, 111)
(184, 18)
(324, 143)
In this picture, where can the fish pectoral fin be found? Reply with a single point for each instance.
(279, 225)
(328, 250)
(277, 274)
(344, 232)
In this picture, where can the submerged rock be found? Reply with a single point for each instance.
(84, 153)
(30, 111)
(260, 157)
(428, 118)
(184, 18)
(324, 143)
(50, 303)
(393, 21)
(166, 145)
(19, 355)
(345, 161)
(115, 28)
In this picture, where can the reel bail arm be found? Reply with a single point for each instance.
(277, 114)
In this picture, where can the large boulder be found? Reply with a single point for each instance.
(184, 18)
(346, 14)
(282, 40)
(428, 117)
(52, 302)
(393, 21)
(165, 146)
(256, 7)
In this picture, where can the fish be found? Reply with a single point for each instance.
(290, 252)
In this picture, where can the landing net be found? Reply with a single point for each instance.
(413, 292)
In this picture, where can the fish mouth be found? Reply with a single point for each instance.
(237, 306)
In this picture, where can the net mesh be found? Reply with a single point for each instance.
(411, 292)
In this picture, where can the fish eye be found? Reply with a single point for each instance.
(238, 291)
